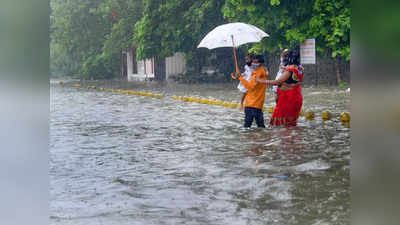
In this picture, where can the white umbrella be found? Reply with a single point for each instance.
(232, 35)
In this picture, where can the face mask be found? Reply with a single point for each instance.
(248, 63)
(255, 65)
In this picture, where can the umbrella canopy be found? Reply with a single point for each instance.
(232, 34)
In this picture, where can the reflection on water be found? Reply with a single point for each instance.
(122, 159)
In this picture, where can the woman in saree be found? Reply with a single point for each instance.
(290, 100)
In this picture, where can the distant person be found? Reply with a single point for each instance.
(290, 98)
(255, 92)
(248, 70)
(279, 74)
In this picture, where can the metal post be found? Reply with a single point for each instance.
(316, 72)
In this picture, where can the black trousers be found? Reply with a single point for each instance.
(251, 114)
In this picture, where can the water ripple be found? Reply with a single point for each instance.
(119, 159)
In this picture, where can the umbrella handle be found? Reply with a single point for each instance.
(234, 54)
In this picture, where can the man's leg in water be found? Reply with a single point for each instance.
(259, 116)
(248, 116)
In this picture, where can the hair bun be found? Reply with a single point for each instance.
(294, 57)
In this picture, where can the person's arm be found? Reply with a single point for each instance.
(286, 74)
(249, 84)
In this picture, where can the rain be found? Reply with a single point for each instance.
(146, 125)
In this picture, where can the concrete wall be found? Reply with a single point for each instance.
(145, 68)
(175, 64)
(129, 63)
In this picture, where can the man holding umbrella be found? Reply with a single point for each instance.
(255, 93)
(234, 35)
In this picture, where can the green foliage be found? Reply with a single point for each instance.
(343, 84)
(275, 2)
(172, 25)
(62, 64)
(124, 13)
(79, 28)
(291, 22)
(99, 67)
(87, 32)
(93, 67)
(277, 18)
(331, 24)
(88, 35)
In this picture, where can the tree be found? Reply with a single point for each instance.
(60, 62)
(282, 20)
(80, 28)
(93, 33)
(170, 26)
(331, 23)
(292, 22)
(88, 36)
(124, 14)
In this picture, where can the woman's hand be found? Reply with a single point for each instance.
(258, 80)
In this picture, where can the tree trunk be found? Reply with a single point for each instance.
(337, 67)
(123, 66)
(134, 62)
(159, 69)
(120, 64)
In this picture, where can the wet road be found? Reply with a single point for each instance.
(122, 159)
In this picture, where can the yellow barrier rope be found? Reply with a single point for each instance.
(309, 115)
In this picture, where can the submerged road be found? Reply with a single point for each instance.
(121, 159)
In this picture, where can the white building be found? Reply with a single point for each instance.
(145, 69)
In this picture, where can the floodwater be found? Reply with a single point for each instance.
(121, 159)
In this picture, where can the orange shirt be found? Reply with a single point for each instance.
(255, 91)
